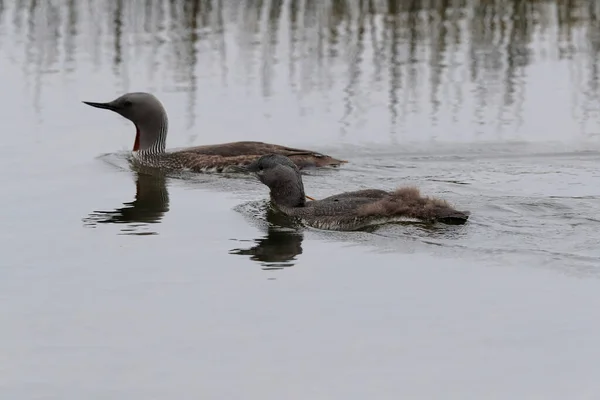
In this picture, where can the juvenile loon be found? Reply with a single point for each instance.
(150, 119)
(347, 211)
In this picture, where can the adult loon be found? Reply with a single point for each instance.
(150, 119)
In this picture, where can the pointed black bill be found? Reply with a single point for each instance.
(252, 167)
(106, 106)
(238, 168)
(245, 168)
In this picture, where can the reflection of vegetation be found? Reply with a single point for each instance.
(404, 42)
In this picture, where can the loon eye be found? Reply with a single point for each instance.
(260, 167)
(127, 103)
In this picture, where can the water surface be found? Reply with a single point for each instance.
(118, 284)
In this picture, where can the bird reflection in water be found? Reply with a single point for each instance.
(278, 248)
(149, 207)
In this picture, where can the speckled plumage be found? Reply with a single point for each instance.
(350, 210)
(201, 159)
(151, 122)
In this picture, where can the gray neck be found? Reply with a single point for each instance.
(153, 134)
(288, 189)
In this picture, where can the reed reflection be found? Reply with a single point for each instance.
(424, 56)
(277, 249)
(149, 207)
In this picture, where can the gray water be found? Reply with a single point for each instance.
(193, 289)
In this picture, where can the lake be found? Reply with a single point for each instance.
(120, 285)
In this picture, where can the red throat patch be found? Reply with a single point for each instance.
(136, 144)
